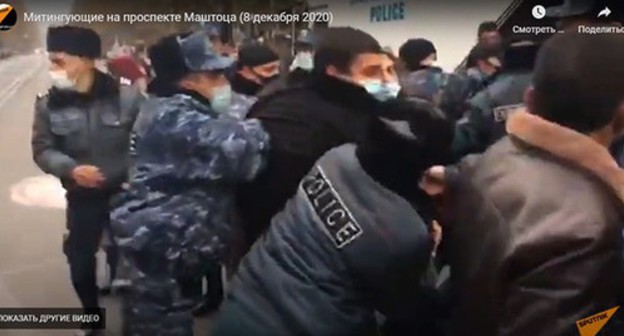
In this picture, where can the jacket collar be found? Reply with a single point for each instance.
(568, 145)
(340, 92)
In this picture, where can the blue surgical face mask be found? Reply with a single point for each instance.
(221, 99)
(381, 91)
(303, 60)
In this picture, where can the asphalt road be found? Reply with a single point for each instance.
(33, 269)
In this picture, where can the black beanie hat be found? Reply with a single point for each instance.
(76, 41)
(256, 54)
(168, 64)
(415, 51)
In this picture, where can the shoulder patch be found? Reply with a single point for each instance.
(336, 219)
(501, 113)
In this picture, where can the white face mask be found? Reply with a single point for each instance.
(60, 80)
(303, 60)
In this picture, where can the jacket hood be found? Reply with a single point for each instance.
(568, 145)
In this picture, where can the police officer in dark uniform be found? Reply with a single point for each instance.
(81, 135)
(484, 123)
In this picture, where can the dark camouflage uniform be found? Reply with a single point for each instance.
(459, 88)
(448, 91)
(424, 84)
(484, 123)
(174, 221)
(240, 105)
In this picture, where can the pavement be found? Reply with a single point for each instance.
(33, 269)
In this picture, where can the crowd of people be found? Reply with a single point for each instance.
(357, 193)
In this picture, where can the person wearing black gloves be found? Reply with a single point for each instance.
(354, 240)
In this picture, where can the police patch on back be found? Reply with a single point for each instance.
(501, 113)
(336, 219)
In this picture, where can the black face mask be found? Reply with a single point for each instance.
(243, 85)
(266, 80)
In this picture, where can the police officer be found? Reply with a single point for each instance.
(424, 79)
(484, 123)
(174, 223)
(463, 85)
(81, 135)
(353, 240)
(257, 66)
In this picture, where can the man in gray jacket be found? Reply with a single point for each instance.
(81, 135)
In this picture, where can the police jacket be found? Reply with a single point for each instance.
(304, 122)
(484, 123)
(178, 208)
(72, 129)
(344, 247)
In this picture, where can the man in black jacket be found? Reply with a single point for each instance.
(353, 240)
(351, 74)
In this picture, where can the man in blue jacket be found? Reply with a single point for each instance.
(353, 240)
(174, 223)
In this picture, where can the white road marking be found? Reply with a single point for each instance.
(39, 191)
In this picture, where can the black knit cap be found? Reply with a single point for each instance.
(76, 41)
(414, 51)
(256, 54)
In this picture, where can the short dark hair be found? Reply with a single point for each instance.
(486, 26)
(579, 80)
(341, 45)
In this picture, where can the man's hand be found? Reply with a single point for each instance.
(88, 176)
(433, 181)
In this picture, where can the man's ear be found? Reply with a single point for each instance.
(187, 84)
(245, 71)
